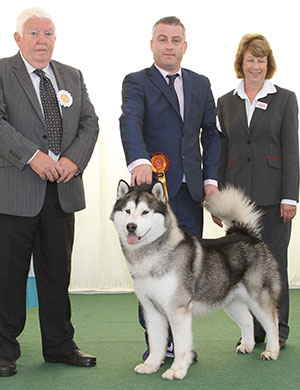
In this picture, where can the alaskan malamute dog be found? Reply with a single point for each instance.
(176, 275)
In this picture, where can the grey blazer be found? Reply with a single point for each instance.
(262, 159)
(23, 131)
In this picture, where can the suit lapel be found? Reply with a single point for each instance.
(24, 79)
(187, 91)
(157, 79)
(258, 112)
(62, 84)
(59, 74)
(241, 110)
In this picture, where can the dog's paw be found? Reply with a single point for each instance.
(172, 374)
(244, 348)
(269, 355)
(146, 368)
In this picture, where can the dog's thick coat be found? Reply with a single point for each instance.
(177, 276)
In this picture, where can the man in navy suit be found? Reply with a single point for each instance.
(155, 119)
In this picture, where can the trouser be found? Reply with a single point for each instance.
(276, 235)
(49, 236)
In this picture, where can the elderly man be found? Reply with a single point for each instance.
(48, 130)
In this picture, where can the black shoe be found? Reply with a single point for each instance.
(170, 351)
(282, 342)
(74, 358)
(195, 356)
(7, 367)
(146, 354)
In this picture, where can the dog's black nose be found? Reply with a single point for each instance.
(131, 227)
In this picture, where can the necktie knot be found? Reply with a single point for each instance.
(172, 78)
(40, 73)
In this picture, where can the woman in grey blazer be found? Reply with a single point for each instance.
(260, 152)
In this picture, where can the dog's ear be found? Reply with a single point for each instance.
(123, 189)
(158, 192)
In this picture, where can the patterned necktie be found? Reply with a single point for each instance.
(172, 78)
(51, 112)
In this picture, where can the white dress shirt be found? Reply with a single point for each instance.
(268, 88)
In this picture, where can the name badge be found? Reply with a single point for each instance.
(262, 105)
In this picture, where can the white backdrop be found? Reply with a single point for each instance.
(107, 40)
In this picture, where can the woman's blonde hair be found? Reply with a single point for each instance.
(259, 47)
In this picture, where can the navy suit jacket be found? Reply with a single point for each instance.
(151, 123)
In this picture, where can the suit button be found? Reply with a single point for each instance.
(182, 134)
(182, 157)
(44, 136)
(248, 142)
(249, 159)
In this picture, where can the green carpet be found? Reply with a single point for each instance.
(107, 326)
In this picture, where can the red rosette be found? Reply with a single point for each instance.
(160, 162)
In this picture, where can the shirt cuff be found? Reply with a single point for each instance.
(136, 163)
(211, 181)
(289, 201)
(29, 161)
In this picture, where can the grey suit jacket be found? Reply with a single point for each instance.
(262, 159)
(23, 131)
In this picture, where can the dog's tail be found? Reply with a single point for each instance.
(235, 209)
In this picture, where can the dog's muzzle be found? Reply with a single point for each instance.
(132, 238)
(131, 227)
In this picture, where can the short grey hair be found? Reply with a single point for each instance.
(171, 21)
(27, 14)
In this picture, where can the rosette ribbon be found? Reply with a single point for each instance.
(160, 164)
(65, 99)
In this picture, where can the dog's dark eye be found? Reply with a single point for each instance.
(127, 211)
(145, 212)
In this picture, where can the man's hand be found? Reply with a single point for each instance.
(209, 189)
(45, 167)
(287, 212)
(142, 174)
(66, 169)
